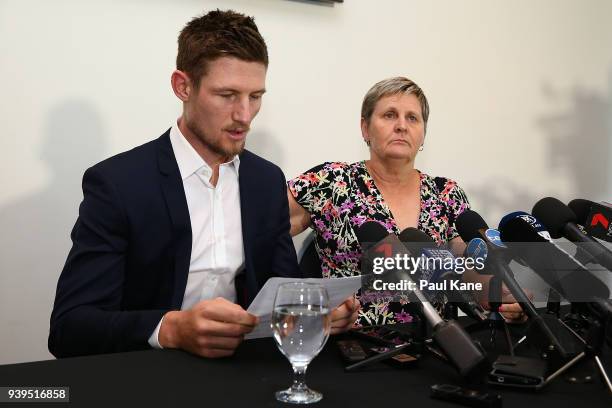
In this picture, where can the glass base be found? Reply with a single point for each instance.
(302, 396)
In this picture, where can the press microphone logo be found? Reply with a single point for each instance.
(599, 223)
(477, 248)
(385, 249)
(600, 219)
(494, 237)
(530, 219)
(536, 225)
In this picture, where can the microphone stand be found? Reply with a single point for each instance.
(495, 321)
(594, 344)
(553, 305)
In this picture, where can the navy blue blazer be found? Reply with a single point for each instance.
(131, 249)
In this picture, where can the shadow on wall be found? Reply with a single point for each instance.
(580, 140)
(35, 236)
(579, 146)
(500, 196)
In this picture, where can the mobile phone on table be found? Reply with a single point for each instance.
(381, 335)
(403, 360)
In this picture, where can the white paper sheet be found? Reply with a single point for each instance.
(338, 289)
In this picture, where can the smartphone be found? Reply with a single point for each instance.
(403, 360)
(381, 335)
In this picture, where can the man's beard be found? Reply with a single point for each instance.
(215, 146)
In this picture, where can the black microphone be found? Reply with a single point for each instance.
(412, 237)
(560, 220)
(555, 266)
(595, 217)
(581, 208)
(370, 236)
(369, 233)
(452, 339)
(456, 344)
(473, 225)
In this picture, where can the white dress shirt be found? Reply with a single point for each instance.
(217, 252)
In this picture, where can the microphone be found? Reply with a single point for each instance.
(537, 226)
(411, 237)
(472, 225)
(456, 344)
(369, 233)
(473, 229)
(560, 221)
(452, 339)
(477, 248)
(595, 217)
(581, 208)
(555, 266)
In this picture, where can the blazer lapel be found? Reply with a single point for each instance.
(174, 194)
(248, 209)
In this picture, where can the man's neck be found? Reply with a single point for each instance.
(211, 158)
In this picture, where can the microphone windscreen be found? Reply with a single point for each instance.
(414, 235)
(554, 215)
(511, 216)
(460, 349)
(371, 232)
(417, 242)
(555, 267)
(468, 223)
(519, 230)
(581, 208)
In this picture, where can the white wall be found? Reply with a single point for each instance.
(520, 94)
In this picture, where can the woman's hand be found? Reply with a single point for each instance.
(344, 316)
(510, 310)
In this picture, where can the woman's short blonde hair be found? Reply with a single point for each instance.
(393, 86)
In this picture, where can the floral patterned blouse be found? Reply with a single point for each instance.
(340, 197)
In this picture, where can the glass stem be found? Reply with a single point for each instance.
(299, 378)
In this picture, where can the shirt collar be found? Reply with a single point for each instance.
(188, 160)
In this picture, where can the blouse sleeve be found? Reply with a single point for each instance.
(456, 202)
(315, 188)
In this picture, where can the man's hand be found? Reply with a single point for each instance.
(212, 328)
(344, 316)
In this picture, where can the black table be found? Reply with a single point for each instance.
(174, 378)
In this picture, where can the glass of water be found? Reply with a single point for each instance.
(301, 324)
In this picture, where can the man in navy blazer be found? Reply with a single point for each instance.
(175, 237)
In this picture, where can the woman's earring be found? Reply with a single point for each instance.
(368, 142)
(421, 148)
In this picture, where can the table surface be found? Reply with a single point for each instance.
(175, 378)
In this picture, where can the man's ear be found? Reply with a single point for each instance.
(181, 85)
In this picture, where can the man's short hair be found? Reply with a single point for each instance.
(218, 34)
(393, 86)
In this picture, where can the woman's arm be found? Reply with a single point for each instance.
(298, 216)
